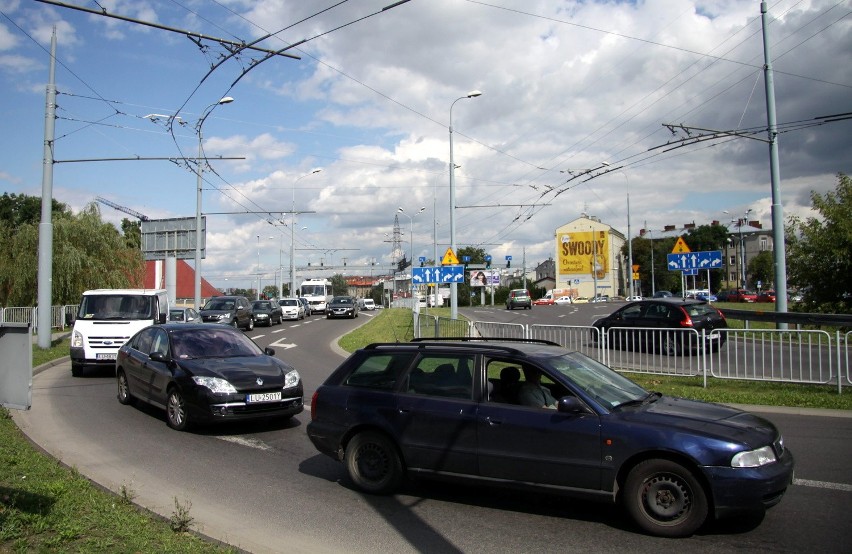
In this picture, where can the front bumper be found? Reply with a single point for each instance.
(737, 490)
(207, 407)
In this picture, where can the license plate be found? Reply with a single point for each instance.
(105, 356)
(714, 336)
(263, 397)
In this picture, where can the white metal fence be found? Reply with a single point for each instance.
(30, 315)
(788, 356)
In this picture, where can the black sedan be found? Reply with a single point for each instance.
(667, 325)
(342, 306)
(205, 373)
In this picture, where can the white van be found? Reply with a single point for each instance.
(107, 318)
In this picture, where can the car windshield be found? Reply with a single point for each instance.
(116, 306)
(262, 305)
(599, 381)
(289, 302)
(217, 304)
(211, 343)
(343, 300)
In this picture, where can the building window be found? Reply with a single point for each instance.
(764, 244)
(733, 259)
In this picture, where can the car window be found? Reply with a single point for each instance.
(160, 342)
(379, 371)
(657, 311)
(143, 341)
(444, 375)
(632, 312)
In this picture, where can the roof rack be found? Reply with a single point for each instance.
(463, 342)
(485, 339)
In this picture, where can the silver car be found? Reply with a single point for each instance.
(292, 308)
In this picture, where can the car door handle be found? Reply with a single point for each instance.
(493, 421)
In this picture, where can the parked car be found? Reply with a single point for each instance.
(518, 298)
(229, 310)
(663, 294)
(433, 408)
(633, 298)
(562, 300)
(663, 325)
(203, 373)
(342, 306)
(307, 306)
(581, 300)
(766, 296)
(292, 308)
(741, 295)
(266, 312)
(184, 315)
(546, 301)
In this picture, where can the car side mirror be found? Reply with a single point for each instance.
(160, 357)
(570, 405)
(269, 351)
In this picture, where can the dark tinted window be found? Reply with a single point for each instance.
(379, 370)
(442, 376)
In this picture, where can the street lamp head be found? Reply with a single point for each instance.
(226, 100)
(316, 170)
(474, 94)
(400, 210)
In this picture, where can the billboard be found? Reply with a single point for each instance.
(583, 253)
(484, 277)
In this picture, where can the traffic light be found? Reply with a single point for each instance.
(488, 262)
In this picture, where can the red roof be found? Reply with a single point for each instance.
(185, 280)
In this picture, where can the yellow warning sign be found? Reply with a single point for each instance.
(680, 247)
(451, 259)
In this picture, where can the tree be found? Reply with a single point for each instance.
(339, 287)
(818, 259)
(20, 209)
(762, 269)
(87, 254)
(132, 233)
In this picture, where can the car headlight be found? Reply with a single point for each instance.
(754, 458)
(225, 316)
(77, 339)
(291, 379)
(215, 384)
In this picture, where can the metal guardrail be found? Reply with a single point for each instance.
(786, 356)
(30, 315)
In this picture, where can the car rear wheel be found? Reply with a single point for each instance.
(373, 463)
(124, 396)
(665, 499)
(176, 415)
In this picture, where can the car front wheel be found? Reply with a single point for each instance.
(665, 499)
(176, 414)
(373, 463)
(124, 396)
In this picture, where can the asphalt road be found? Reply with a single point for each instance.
(264, 488)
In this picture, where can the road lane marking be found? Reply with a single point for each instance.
(251, 443)
(823, 485)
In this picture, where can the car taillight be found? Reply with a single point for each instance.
(722, 315)
(686, 321)
(314, 405)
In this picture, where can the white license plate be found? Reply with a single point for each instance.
(714, 336)
(105, 356)
(263, 397)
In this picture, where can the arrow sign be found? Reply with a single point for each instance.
(694, 260)
(281, 344)
(432, 275)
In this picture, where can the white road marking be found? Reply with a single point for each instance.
(823, 485)
(281, 344)
(251, 443)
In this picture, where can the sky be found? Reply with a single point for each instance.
(355, 121)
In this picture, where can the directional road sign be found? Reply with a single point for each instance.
(695, 260)
(431, 275)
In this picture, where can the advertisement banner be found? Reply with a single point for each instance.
(583, 253)
(484, 277)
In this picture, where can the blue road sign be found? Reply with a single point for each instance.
(695, 260)
(465, 259)
(431, 275)
(509, 258)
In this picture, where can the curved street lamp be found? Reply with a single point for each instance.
(199, 171)
(454, 291)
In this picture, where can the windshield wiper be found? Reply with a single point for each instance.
(647, 399)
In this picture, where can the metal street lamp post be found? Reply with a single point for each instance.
(293, 235)
(411, 240)
(199, 171)
(454, 291)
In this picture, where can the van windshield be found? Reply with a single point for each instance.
(116, 306)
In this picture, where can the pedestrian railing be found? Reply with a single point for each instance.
(786, 356)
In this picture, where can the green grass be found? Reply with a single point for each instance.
(45, 507)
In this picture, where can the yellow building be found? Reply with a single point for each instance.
(588, 259)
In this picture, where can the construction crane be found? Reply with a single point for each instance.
(134, 213)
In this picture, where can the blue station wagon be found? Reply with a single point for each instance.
(533, 414)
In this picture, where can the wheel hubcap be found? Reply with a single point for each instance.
(372, 463)
(176, 413)
(665, 498)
